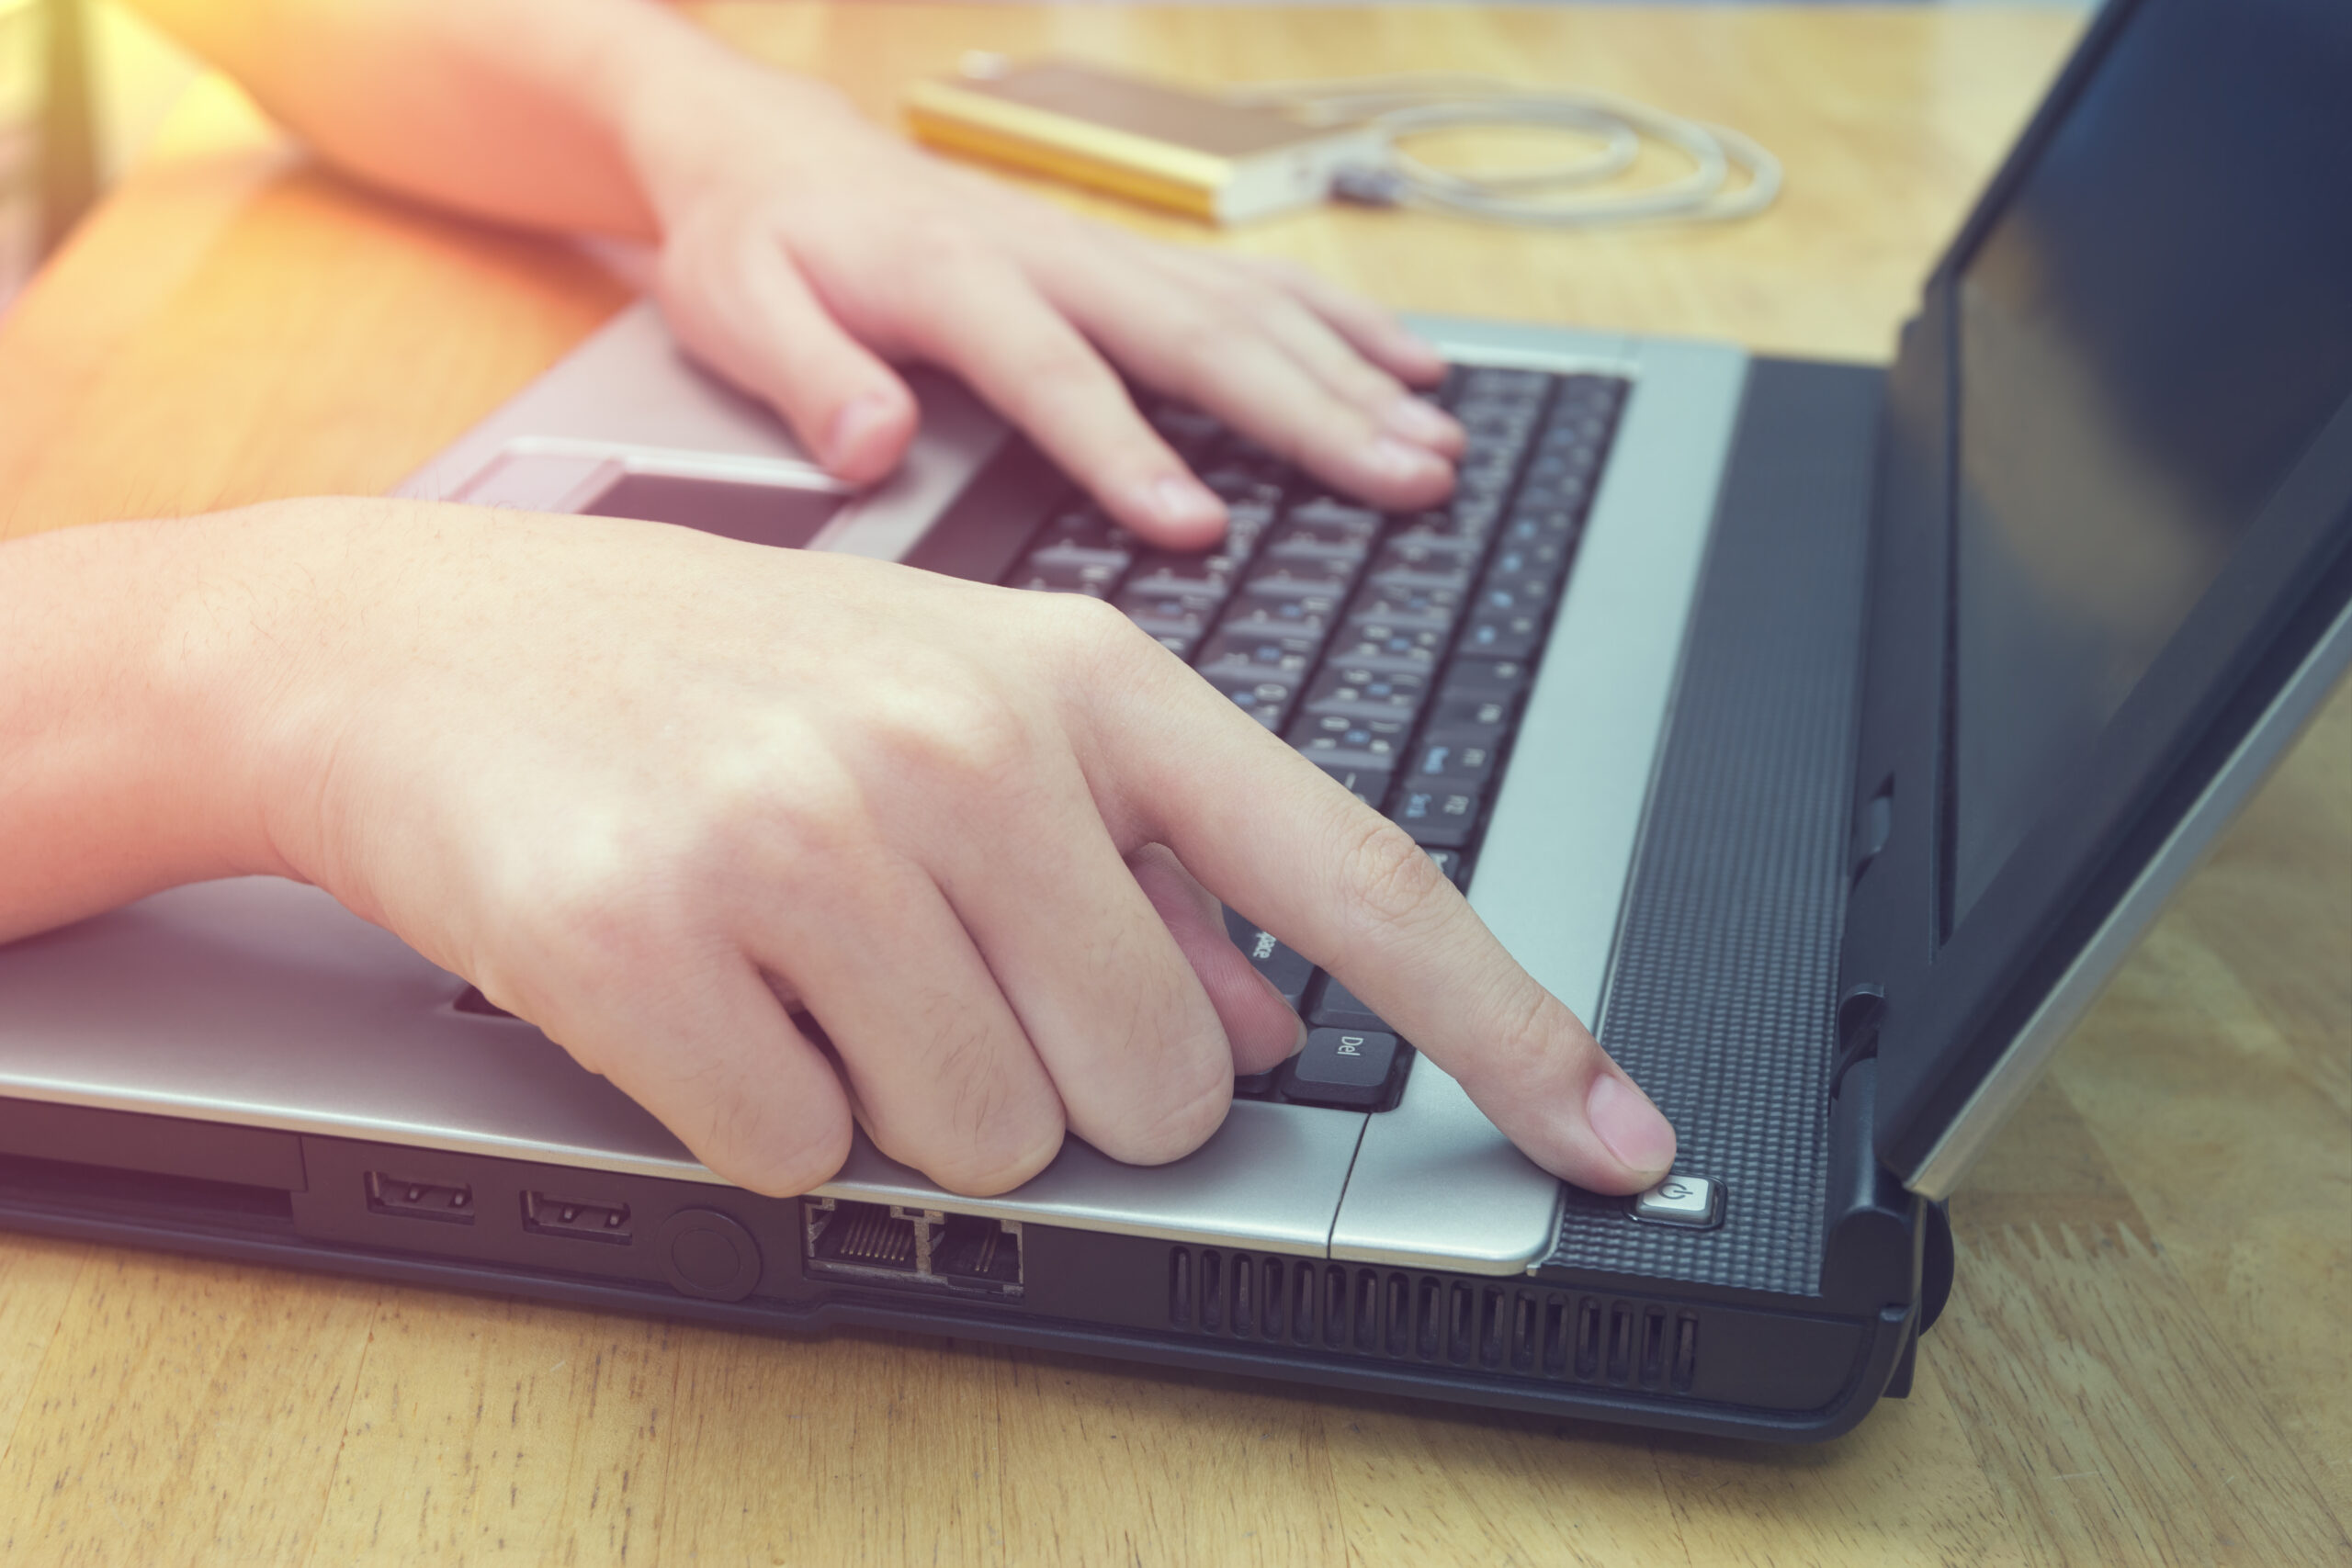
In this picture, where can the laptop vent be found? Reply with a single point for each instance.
(1498, 1326)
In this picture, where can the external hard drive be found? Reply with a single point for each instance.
(1225, 162)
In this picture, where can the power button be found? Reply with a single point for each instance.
(1694, 1203)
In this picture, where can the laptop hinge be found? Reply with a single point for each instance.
(1869, 1256)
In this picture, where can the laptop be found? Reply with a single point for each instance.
(1825, 733)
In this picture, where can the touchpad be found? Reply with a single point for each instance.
(787, 516)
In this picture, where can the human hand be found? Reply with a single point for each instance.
(803, 249)
(652, 791)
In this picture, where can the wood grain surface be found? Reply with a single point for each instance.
(2146, 1360)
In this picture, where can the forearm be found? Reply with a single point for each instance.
(545, 113)
(130, 760)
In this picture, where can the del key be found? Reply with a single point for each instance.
(1344, 1067)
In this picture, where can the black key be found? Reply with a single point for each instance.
(1336, 1007)
(1499, 381)
(1486, 678)
(1469, 711)
(1546, 556)
(1268, 702)
(1277, 579)
(1437, 529)
(1451, 576)
(1488, 463)
(1540, 517)
(1503, 634)
(1441, 817)
(1094, 581)
(1560, 458)
(1170, 615)
(1573, 445)
(1448, 862)
(1557, 504)
(1294, 617)
(1585, 393)
(1246, 523)
(1233, 653)
(1376, 646)
(1466, 761)
(1485, 420)
(1414, 548)
(1087, 533)
(1471, 716)
(1329, 511)
(1367, 694)
(1499, 427)
(1560, 464)
(1503, 448)
(1503, 593)
(1343, 1067)
(1412, 608)
(1165, 571)
(1485, 411)
(1081, 552)
(1301, 540)
(1238, 484)
(1285, 970)
(1367, 784)
(1255, 1086)
(1474, 515)
(1579, 424)
(1332, 742)
(1482, 478)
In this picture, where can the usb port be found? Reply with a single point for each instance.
(546, 1216)
(419, 1200)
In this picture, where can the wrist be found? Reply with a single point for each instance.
(136, 683)
(700, 116)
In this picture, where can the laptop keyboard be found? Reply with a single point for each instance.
(1395, 650)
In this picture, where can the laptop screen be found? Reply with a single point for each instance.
(2126, 408)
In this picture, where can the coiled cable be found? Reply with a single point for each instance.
(1730, 175)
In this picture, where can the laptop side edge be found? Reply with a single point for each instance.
(2187, 346)
(1947, 1160)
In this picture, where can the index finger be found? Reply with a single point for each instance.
(983, 320)
(1268, 831)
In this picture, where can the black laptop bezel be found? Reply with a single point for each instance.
(1939, 1008)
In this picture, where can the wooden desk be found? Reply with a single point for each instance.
(2146, 1358)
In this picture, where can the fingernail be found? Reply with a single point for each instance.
(1630, 1124)
(1180, 501)
(853, 427)
(1299, 1039)
(1400, 460)
(1418, 420)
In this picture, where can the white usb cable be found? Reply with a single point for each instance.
(1730, 174)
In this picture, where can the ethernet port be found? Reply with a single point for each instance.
(978, 1252)
(867, 1235)
(894, 1248)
